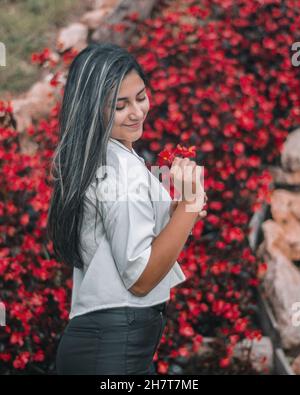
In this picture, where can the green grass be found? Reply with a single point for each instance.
(25, 27)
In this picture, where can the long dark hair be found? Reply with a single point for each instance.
(95, 74)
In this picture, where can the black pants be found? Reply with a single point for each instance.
(121, 340)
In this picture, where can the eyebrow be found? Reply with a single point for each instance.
(125, 98)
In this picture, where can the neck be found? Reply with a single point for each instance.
(125, 143)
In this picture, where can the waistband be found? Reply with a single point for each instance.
(160, 307)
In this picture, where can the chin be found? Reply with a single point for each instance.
(134, 134)
(138, 135)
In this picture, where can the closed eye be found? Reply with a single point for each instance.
(122, 108)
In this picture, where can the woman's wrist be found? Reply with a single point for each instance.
(193, 206)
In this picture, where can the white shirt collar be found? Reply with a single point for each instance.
(126, 148)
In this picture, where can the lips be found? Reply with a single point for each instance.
(134, 126)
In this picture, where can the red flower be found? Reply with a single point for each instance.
(269, 43)
(224, 362)
(261, 270)
(134, 16)
(24, 219)
(5, 357)
(183, 352)
(210, 297)
(207, 146)
(21, 360)
(162, 367)
(212, 93)
(241, 324)
(186, 330)
(238, 148)
(39, 356)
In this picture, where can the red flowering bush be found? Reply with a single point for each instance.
(225, 93)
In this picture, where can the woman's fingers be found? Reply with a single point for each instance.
(187, 177)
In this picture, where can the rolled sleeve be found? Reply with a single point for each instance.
(129, 225)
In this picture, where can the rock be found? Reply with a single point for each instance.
(296, 365)
(106, 3)
(285, 210)
(42, 91)
(283, 177)
(282, 286)
(28, 146)
(295, 206)
(93, 18)
(274, 233)
(90, 4)
(34, 105)
(290, 156)
(261, 354)
(120, 10)
(21, 113)
(281, 205)
(73, 36)
(292, 237)
(285, 205)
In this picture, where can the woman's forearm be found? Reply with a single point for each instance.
(166, 248)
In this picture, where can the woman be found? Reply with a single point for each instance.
(124, 263)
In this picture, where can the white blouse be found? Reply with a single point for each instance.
(135, 208)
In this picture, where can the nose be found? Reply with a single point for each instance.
(136, 115)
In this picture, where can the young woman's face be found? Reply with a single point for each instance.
(132, 107)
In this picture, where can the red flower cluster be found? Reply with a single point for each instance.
(224, 92)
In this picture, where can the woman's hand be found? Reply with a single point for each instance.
(187, 178)
(202, 214)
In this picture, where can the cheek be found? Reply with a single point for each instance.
(146, 106)
(120, 118)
